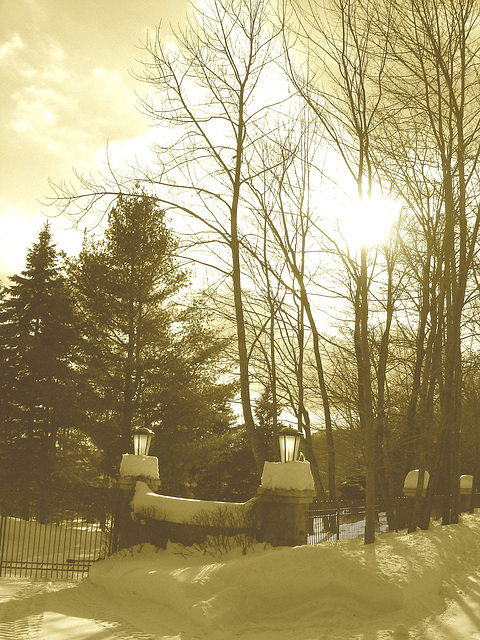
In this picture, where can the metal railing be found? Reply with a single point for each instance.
(341, 521)
(63, 543)
(346, 520)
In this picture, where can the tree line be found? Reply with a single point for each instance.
(96, 345)
(276, 114)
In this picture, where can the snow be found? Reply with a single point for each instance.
(277, 476)
(287, 476)
(411, 479)
(422, 586)
(179, 510)
(133, 466)
(341, 590)
(466, 483)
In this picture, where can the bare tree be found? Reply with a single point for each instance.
(283, 201)
(212, 107)
(339, 47)
(431, 156)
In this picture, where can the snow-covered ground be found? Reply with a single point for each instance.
(424, 586)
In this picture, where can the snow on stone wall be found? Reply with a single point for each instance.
(133, 466)
(287, 476)
(179, 510)
(290, 476)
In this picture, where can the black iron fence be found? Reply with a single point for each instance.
(345, 520)
(61, 542)
(341, 521)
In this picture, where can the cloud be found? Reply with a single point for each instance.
(105, 74)
(10, 47)
(66, 91)
(37, 107)
(65, 109)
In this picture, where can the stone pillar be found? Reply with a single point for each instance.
(284, 497)
(284, 516)
(132, 469)
(405, 507)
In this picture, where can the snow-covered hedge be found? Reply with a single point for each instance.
(202, 522)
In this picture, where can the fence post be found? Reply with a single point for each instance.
(338, 521)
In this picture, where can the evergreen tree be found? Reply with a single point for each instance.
(147, 361)
(194, 393)
(267, 414)
(38, 337)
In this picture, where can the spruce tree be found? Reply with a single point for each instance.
(38, 337)
(147, 356)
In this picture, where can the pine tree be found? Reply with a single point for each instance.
(146, 360)
(194, 392)
(38, 336)
(267, 416)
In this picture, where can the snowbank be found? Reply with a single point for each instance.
(179, 510)
(334, 588)
(287, 476)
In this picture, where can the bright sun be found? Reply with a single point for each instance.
(366, 223)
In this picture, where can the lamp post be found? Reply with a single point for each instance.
(289, 440)
(142, 439)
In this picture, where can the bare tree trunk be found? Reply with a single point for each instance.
(380, 436)
(365, 408)
(309, 454)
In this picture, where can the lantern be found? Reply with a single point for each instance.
(289, 440)
(142, 438)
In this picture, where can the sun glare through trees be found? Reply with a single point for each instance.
(317, 166)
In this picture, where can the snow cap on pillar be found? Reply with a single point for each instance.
(294, 476)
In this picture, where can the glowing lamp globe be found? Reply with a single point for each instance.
(289, 440)
(142, 439)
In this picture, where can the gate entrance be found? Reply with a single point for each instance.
(62, 544)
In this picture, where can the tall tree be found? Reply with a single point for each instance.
(341, 50)
(148, 358)
(211, 100)
(432, 157)
(38, 335)
(122, 284)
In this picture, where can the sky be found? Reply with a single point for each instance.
(66, 91)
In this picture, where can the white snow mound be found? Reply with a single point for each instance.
(330, 586)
